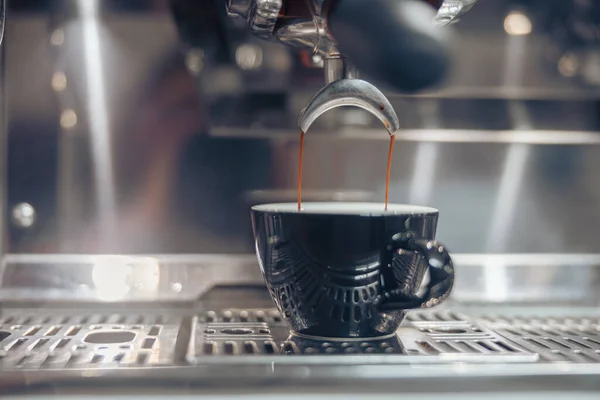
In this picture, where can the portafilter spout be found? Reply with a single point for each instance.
(343, 89)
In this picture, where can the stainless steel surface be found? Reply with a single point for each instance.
(262, 16)
(74, 340)
(493, 279)
(311, 35)
(452, 10)
(57, 339)
(230, 339)
(338, 68)
(442, 337)
(109, 339)
(350, 92)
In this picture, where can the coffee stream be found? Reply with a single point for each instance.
(300, 170)
(389, 170)
(387, 176)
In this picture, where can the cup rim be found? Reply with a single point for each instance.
(369, 209)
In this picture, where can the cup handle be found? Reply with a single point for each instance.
(441, 273)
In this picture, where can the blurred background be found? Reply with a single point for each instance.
(124, 139)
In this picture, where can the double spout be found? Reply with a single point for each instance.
(343, 88)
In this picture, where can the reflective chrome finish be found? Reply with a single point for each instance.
(230, 336)
(350, 92)
(313, 35)
(260, 14)
(452, 10)
(338, 68)
(308, 34)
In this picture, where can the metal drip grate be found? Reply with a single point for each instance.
(262, 332)
(555, 339)
(37, 341)
(75, 339)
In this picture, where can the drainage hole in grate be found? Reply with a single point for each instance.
(270, 347)
(154, 331)
(537, 343)
(148, 343)
(531, 331)
(73, 331)
(53, 331)
(446, 348)
(61, 343)
(504, 346)
(237, 331)
(209, 348)
(250, 347)
(578, 343)
(290, 348)
(4, 335)
(486, 346)
(17, 343)
(230, 348)
(40, 343)
(428, 347)
(109, 337)
(592, 340)
(556, 342)
(209, 331)
(264, 331)
(32, 331)
(447, 329)
(466, 347)
(142, 358)
(97, 358)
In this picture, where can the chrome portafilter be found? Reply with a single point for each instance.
(343, 89)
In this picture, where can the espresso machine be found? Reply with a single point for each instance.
(138, 133)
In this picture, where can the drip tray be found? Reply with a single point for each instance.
(68, 339)
(439, 337)
(82, 340)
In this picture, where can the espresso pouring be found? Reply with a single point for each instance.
(387, 176)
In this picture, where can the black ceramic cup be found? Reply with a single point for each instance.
(350, 269)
